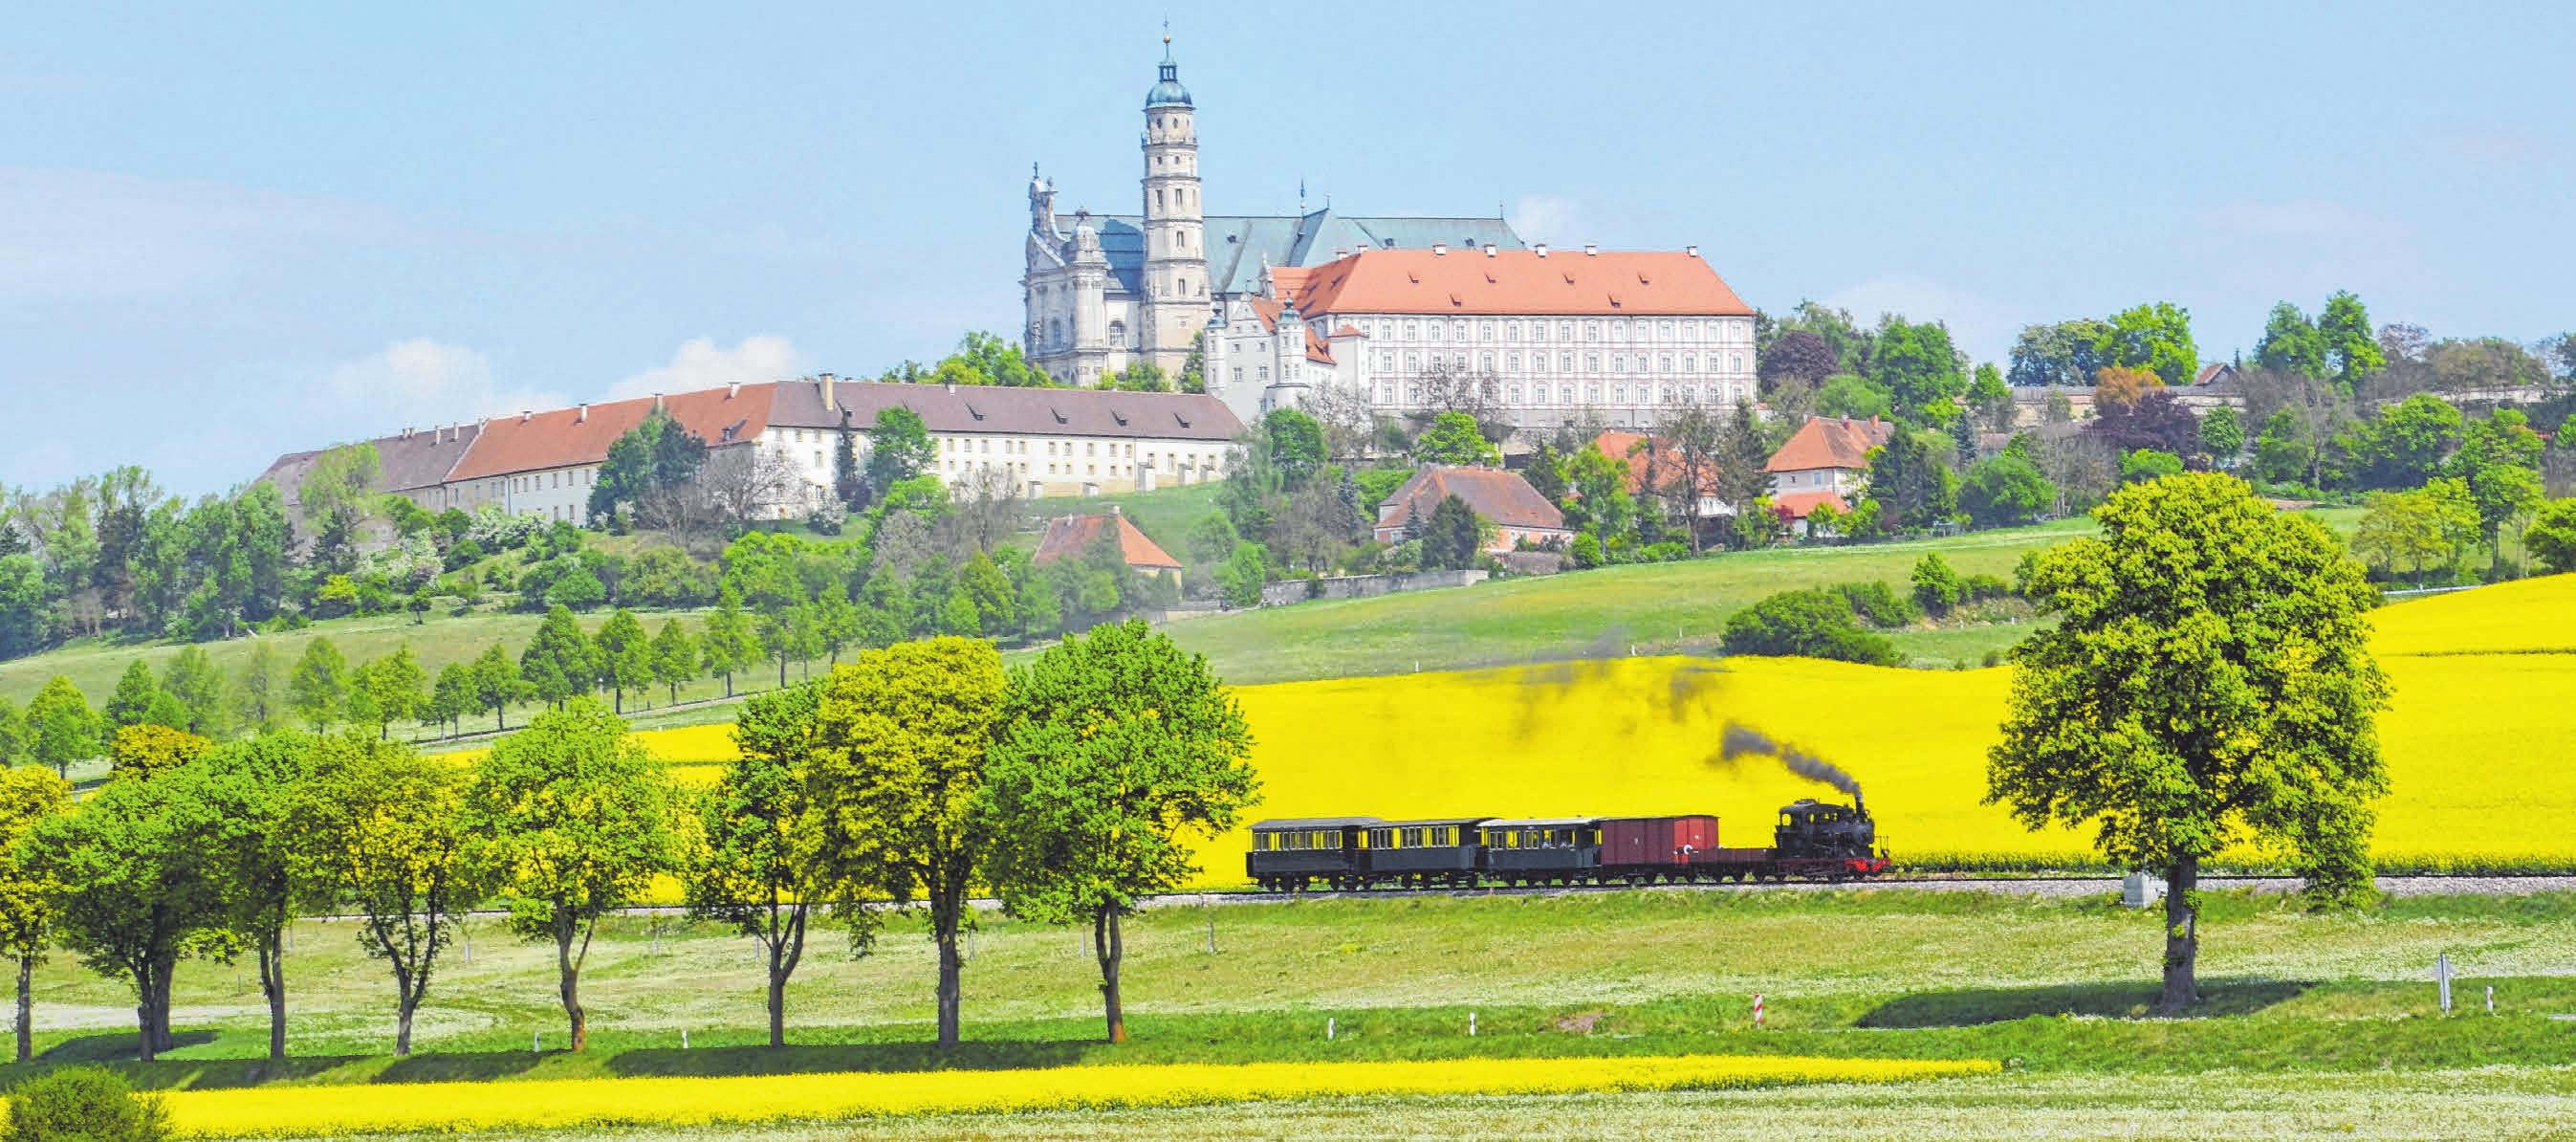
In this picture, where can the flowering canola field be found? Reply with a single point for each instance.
(287, 1111)
(2480, 772)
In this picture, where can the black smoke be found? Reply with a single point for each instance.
(1741, 741)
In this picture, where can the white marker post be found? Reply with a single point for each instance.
(1471, 1024)
(1328, 1027)
(2442, 976)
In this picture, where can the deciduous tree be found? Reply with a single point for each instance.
(60, 727)
(29, 796)
(560, 661)
(383, 830)
(753, 869)
(1114, 746)
(675, 656)
(255, 852)
(574, 817)
(1453, 438)
(625, 655)
(318, 688)
(2208, 681)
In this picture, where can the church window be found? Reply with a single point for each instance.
(1158, 192)
(1618, 363)
(1538, 331)
(1690, 364)
(1435, 330)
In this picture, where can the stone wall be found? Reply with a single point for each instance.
(1357, 586)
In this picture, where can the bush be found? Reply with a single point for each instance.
(2552, 536)
(826, 520)
(1936, 587)
(1878, 603)
(1668, 551)
(1809, 623)
(1585, 551)
(1983, 588)
(83, 1104)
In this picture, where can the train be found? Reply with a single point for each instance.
(1814, 840)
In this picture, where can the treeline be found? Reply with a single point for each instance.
(914, 775)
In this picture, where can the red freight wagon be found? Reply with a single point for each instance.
(1658, 843)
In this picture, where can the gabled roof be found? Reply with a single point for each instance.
(994, 409)
(557, 438)
(1625, 447)
(406, 461)
(1829, 442)
(1610, 283)
(1067, 536)
(1237, 245)
(1500, 496)
(1800, 505)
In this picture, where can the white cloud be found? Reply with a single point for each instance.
(701, 364)
(421, 382)
(1553, 219)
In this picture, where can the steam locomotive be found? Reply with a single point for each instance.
(1814, 840)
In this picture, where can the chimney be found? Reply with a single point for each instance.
(406, 432)
(825, 383)
(524, 414)
(1541, 248)
(1591, 251)
(1440, 249)
(1489, 251)
(657, 403)
(582, 417)
(1113, 508)
(952, 388)
(733, 389)
(1692, 249)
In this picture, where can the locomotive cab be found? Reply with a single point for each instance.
(1823, 829)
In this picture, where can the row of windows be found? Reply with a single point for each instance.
(1417, 837)
(1297, 840)
(1724, 330)
(1536, 838)
(1565, 362)
(1619, 394)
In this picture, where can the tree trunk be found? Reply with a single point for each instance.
(272, 983)
(497, 723)
(406, 1001)
(143, 1014)
(620, 698)
(569, 977)
(947, 915)
(728, 683)
(1111, 948)
(2182, 936)
(26, 1008)
(782, 671)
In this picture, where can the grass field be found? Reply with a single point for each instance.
(2047, 987)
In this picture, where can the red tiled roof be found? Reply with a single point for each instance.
(1268, 309)
(566, 436)
(1829, 442)
(1624, 446)
(1069, 535)
(1800, 505)
(1512, 281)
(1500, 496)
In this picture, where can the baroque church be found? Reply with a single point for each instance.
(1104, 291)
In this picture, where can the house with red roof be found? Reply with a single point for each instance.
(1825, 462)
(1657, 466)
(1605, 336)
(1070, 536)
(1502, 498)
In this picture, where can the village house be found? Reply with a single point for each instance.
(1825, 462)
(1657, 466)
(1067, 537)
(1519, 514)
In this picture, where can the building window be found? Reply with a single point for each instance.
(1619, 393)
(1458, 330)
(1484, 331)
(1592, 330)
(1485, 361)
(1511, 331)
(1435, 330)
(1512, 362)
(1664, 363)
(1515, 392)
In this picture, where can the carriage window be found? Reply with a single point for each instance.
(1381, 838)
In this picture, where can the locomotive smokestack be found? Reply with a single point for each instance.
(1741, 740)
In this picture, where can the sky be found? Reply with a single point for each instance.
(236, 231)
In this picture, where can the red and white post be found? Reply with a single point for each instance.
(1757, 1012)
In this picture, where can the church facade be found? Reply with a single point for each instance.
(1104, 292)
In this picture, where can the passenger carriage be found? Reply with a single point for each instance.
(1542, 850)
(1290, 853)
(1424, 854)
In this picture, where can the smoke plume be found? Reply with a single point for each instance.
(1741, 741)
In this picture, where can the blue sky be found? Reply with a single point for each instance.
(240, 230)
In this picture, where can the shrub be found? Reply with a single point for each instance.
(2552, 536)
(1878, 603)
(83, 1104)
(1982, 588)
(1669, 551)
(2144, 464)
(1809, 623)
(1936, 586)
(1585, 551)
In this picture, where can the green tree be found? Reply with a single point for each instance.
(1297, 445)
(899, 448)
(2405, 446)
(497, 683)
(578, 589)
(2222, 435)
(193, 678)
(453, 696)
(1114, 745)
(2405, 527)
(13, 733)
(560, 660)
(60, 727)
(1917, 366)
(2209, 679)
(2143, 464)
(1853, 395)
(625, 655)
(1806, 623)
(258, 696)
(729, 643)
(2551, 538)
(29, 796)
(752, 869)
(2155, 337)
(318, 687)
(1602, 506)
(2284, 452)
(2291, 344)
(383, 831)
(131, 704)
(138, 888)
(1449, 540)
(253, 850)
(644, 466)
(147, 750)
(2499, 458)
(1908, 482)
(895, 774)
(575, 818)
(1937, 588)
(675, 657)
(2061, 354)
(1453, 438)
(388, 690)
(2004, 490)
(1992, 399)
(2351, 344)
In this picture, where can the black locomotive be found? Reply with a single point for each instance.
(1814, 840)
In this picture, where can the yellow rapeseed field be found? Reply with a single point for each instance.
(334, 1110)
(2478, 770)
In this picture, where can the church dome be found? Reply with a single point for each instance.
(1167, 90)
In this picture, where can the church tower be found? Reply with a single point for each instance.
(1175, 305)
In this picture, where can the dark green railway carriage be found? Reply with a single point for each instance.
(1542, 850)
(1424, 854)
(1290, 853)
